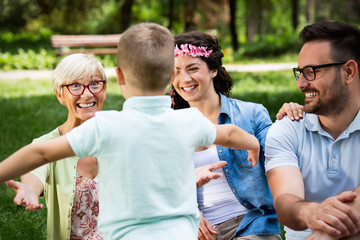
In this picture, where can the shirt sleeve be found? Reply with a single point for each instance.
(85, 139)
(281, 145)
(208, 129)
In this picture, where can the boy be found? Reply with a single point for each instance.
(146, 171)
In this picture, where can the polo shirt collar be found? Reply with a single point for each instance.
(312, 123)
(145, 102)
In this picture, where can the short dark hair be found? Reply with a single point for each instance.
(146, 55)
(344, 39)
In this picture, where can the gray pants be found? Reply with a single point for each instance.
(227, 230)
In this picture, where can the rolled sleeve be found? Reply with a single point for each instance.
(281, 145)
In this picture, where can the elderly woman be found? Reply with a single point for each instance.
(70, 186)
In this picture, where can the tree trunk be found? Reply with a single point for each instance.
(308, 11)
(316, 10)
(295, 16)
(190, 7)
(171, 13)
(234, 37)
(253, 18)
(125, 12)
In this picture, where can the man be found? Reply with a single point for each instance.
(310, 163)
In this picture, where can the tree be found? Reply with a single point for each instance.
(234, 37)
(253, 18)
(189, 11)
(295, 16)
(125, 13)
(171, 14)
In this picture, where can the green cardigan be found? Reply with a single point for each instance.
(58, 179)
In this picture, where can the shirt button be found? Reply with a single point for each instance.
(226, 170)
(233, 190)
(220, 150)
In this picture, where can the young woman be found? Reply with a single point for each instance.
(239, 204)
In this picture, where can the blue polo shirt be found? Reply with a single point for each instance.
(328, 166)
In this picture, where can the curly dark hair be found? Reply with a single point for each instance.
(222, 81)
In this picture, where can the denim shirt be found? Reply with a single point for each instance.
(249, 183)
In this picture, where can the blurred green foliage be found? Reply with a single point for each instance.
(265, 28)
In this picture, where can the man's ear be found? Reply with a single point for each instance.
(59, 98)
(351, 70)
(119, 76)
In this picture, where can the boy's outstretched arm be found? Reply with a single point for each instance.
(34, 155)
(231, 136)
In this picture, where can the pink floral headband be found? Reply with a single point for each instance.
(192, 50)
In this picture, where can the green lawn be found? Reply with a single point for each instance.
(29, 109)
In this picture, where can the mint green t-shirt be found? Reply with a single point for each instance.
(147, 187)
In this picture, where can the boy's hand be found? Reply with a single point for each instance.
(24, 196)
(205, 173)
(253, 157)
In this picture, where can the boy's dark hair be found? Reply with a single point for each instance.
(222, 81)
(344, 39)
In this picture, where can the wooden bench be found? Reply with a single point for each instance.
(96, 44)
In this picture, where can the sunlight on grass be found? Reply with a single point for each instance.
(29, 109)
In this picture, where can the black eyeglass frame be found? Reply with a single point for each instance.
(84, 87)
(301, 70)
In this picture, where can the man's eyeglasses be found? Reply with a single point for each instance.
(309, 72)
(77, 89)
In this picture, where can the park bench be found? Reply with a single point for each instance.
(95, 44)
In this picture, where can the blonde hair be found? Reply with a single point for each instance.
(74, 67)
(146, 56)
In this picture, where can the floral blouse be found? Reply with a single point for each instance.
(85, 210)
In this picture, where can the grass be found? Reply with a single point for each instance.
(29, 109)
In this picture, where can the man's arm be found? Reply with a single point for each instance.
(287, 187)
(355, 205)
(34, 155)
(331, 216)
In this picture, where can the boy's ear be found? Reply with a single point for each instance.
(119, 76)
